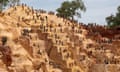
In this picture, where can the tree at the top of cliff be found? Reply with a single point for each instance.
(114, 20)
(4, 3)
(69, 9)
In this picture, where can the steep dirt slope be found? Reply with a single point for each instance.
(35, 41)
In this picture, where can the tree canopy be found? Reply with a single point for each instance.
(4, 3)
(114, 20)
(69, 9)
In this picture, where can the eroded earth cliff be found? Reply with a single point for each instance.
(36, 41)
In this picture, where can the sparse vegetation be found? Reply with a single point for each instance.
(114, 20)
(69, 9)
(4, 3)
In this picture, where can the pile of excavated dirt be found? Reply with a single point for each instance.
(36, 41)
